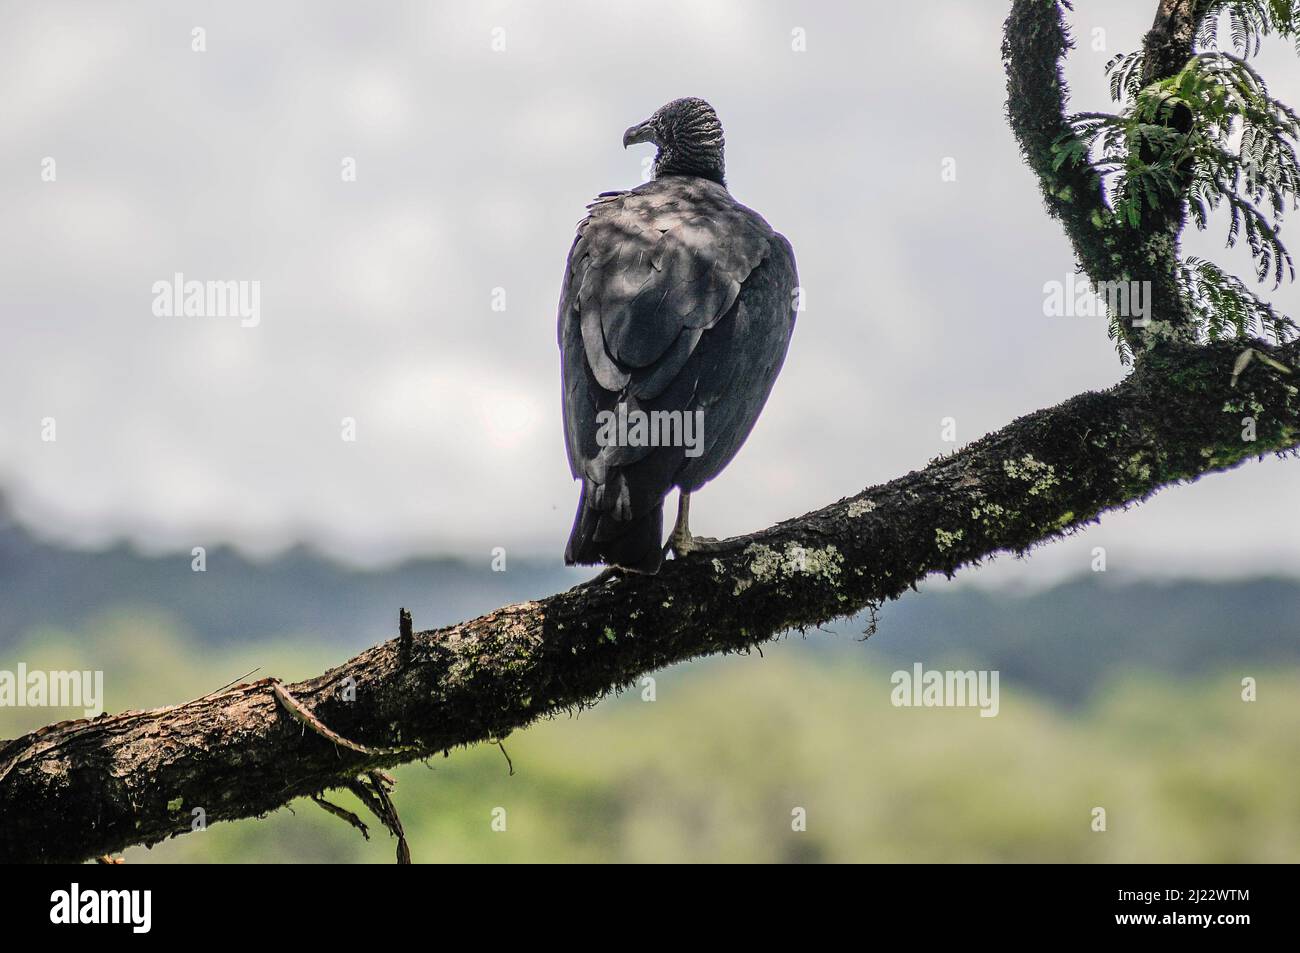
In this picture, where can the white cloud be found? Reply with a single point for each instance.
(472, 169)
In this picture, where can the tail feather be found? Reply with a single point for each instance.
(599, 538)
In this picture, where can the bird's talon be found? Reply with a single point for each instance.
(681, 546)
(685, 545)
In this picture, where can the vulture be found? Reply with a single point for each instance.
(675, 314)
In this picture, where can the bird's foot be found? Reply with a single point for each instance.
(683, 544)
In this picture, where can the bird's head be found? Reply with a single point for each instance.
(689, 137)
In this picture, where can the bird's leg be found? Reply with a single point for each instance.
(680, 541)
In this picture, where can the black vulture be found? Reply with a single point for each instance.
(676, 312)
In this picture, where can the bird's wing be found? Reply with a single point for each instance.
(736, 364)
(650, 272)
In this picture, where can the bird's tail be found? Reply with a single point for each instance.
(597, 537)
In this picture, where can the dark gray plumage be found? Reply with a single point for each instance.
(676, 298)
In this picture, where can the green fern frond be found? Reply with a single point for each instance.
(1227, 308)
(1248, 22)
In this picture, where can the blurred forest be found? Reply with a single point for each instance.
(1124, 696)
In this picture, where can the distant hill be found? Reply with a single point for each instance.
(240, 600)
(1063, 641)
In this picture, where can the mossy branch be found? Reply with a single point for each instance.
(1109, 246)
(87, 788)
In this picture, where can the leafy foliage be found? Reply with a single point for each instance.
(1213, 136)
(1125, 72)
(1249, 21)
(1261, 172)
(1227, 308)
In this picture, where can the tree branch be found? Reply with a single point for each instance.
(1108, 246)
(86, 788)
(1035, 43)
(1169, 43)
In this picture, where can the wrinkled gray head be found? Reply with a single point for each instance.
(689, 137)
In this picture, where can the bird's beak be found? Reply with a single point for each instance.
(641, 132)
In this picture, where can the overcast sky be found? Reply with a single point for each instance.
(473, 164)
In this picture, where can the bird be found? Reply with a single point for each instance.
(675, 316)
